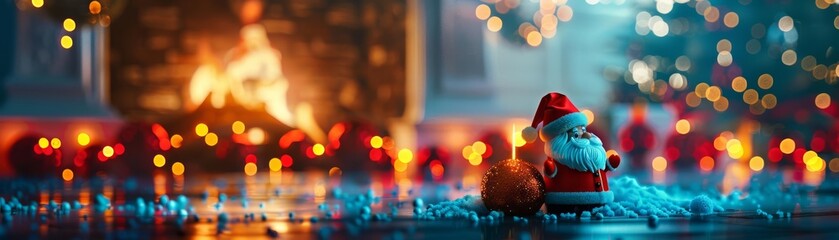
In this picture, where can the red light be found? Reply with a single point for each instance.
(250, 158)
(101, 156)
(376, 155)
(47, 151)
(798, 155)
(309, 152)
(38, 150)
(488, 152)
(335, 134)
(286, 160)
(817, 144)
(58, 157)
(672, 153)
(291, 137)
(627, 144)
(78, 160)
(775, 155)
(119, 149)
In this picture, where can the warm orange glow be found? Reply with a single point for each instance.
(834, 165)
(494, 24)
(589, 116)
(683, 126)
(400, 166)
(534, 38)
(176, 141)
(37, 3)
(475, 159)
(376, 142)
(201, 129)
(514, 145)
(178, 168)
(43, 142)
(159, 160)
(69, 25)
(713, 93)
(731, 19)
(95, 7)
(250, 169)
(756, 163)
(318, 149)
(55, 143)
(765, 81)
(275, 164)
(479, 147)
(256, 136)
(735, 148)
(482, 12)
(405, 155)
(787, 146)
(238, 127)
(739, 84)
(437, 168)
(108, 151)
(67, 175)
(335, 172)
(211, 139)
(809, 156)
(706, 163)
(659, 164)
(83, 139)
(823, 100)
(66, 42)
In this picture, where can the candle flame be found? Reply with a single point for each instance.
(513, 142)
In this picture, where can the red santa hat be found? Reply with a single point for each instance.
(557, 115)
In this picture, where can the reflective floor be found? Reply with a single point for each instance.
(235, 206)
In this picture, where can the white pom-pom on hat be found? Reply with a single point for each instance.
(529, 134)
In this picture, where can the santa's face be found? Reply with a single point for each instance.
(577, 149)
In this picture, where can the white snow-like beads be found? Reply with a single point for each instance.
(529, 134)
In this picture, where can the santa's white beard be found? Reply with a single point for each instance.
(581, 154)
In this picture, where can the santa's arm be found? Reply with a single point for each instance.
(613, 162)
(550, 168)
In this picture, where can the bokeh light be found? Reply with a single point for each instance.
(683, 126)
(405, 155)
(69, 25)
(494, 24)
(108, 151)
(787, 146)
(739, 84)
(785, 24)
(83, 139)
(211, 139)
(318, 149)
(765, 81)
(822, 100)
(66, 42)
(67, 175)
(178, 168)
(238, 127)
(201, 129)
(55, 143)
(250, 169)
(37, 3)
(376, 142)
(706, 163)
(94, 7)
(159, 160)
(275, 164)
(482, 12)
(756, 163)
(659, 164)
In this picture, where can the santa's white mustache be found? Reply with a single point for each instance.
(581, 154)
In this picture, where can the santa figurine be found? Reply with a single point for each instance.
(575, 170)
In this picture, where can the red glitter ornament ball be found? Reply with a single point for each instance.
(514, 187)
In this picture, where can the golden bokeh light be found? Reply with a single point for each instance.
(256, 136)
(659, 164)
(482, 12)
(789, 57)
(211, 139)
(700, 89)
(178, 168)
(108, 151)
(739, 84)
(66, 42)
(820, 72)
(589, 116)
(43, 142)
(713, 93)
(376, 142)
(250, 169)
(534, 38)
(692, 99)
(405, 155)
(787, 146)
(318, 149)
(816, 165)
(724, 45)
(275, 164)
(721, 104)
(335, 172)
(69, 25)
(83, 139)
(494, 24)
(479, 147)
(67, 175)
(159, 160)
(712, 14)
(750, 96)
(731, 19)
(808, 63)
(176, 140)
(809, 156)
(238, 127)
(400, 166)
(475, 159)
(785, 24)
(734, 148)
(719, 142)
(822, 100)
(769, 101)
(37, 3)
(756, 163)
(683, 126)
(201, 129)
(55, 143)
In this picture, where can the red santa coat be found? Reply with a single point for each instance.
(568, 186)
